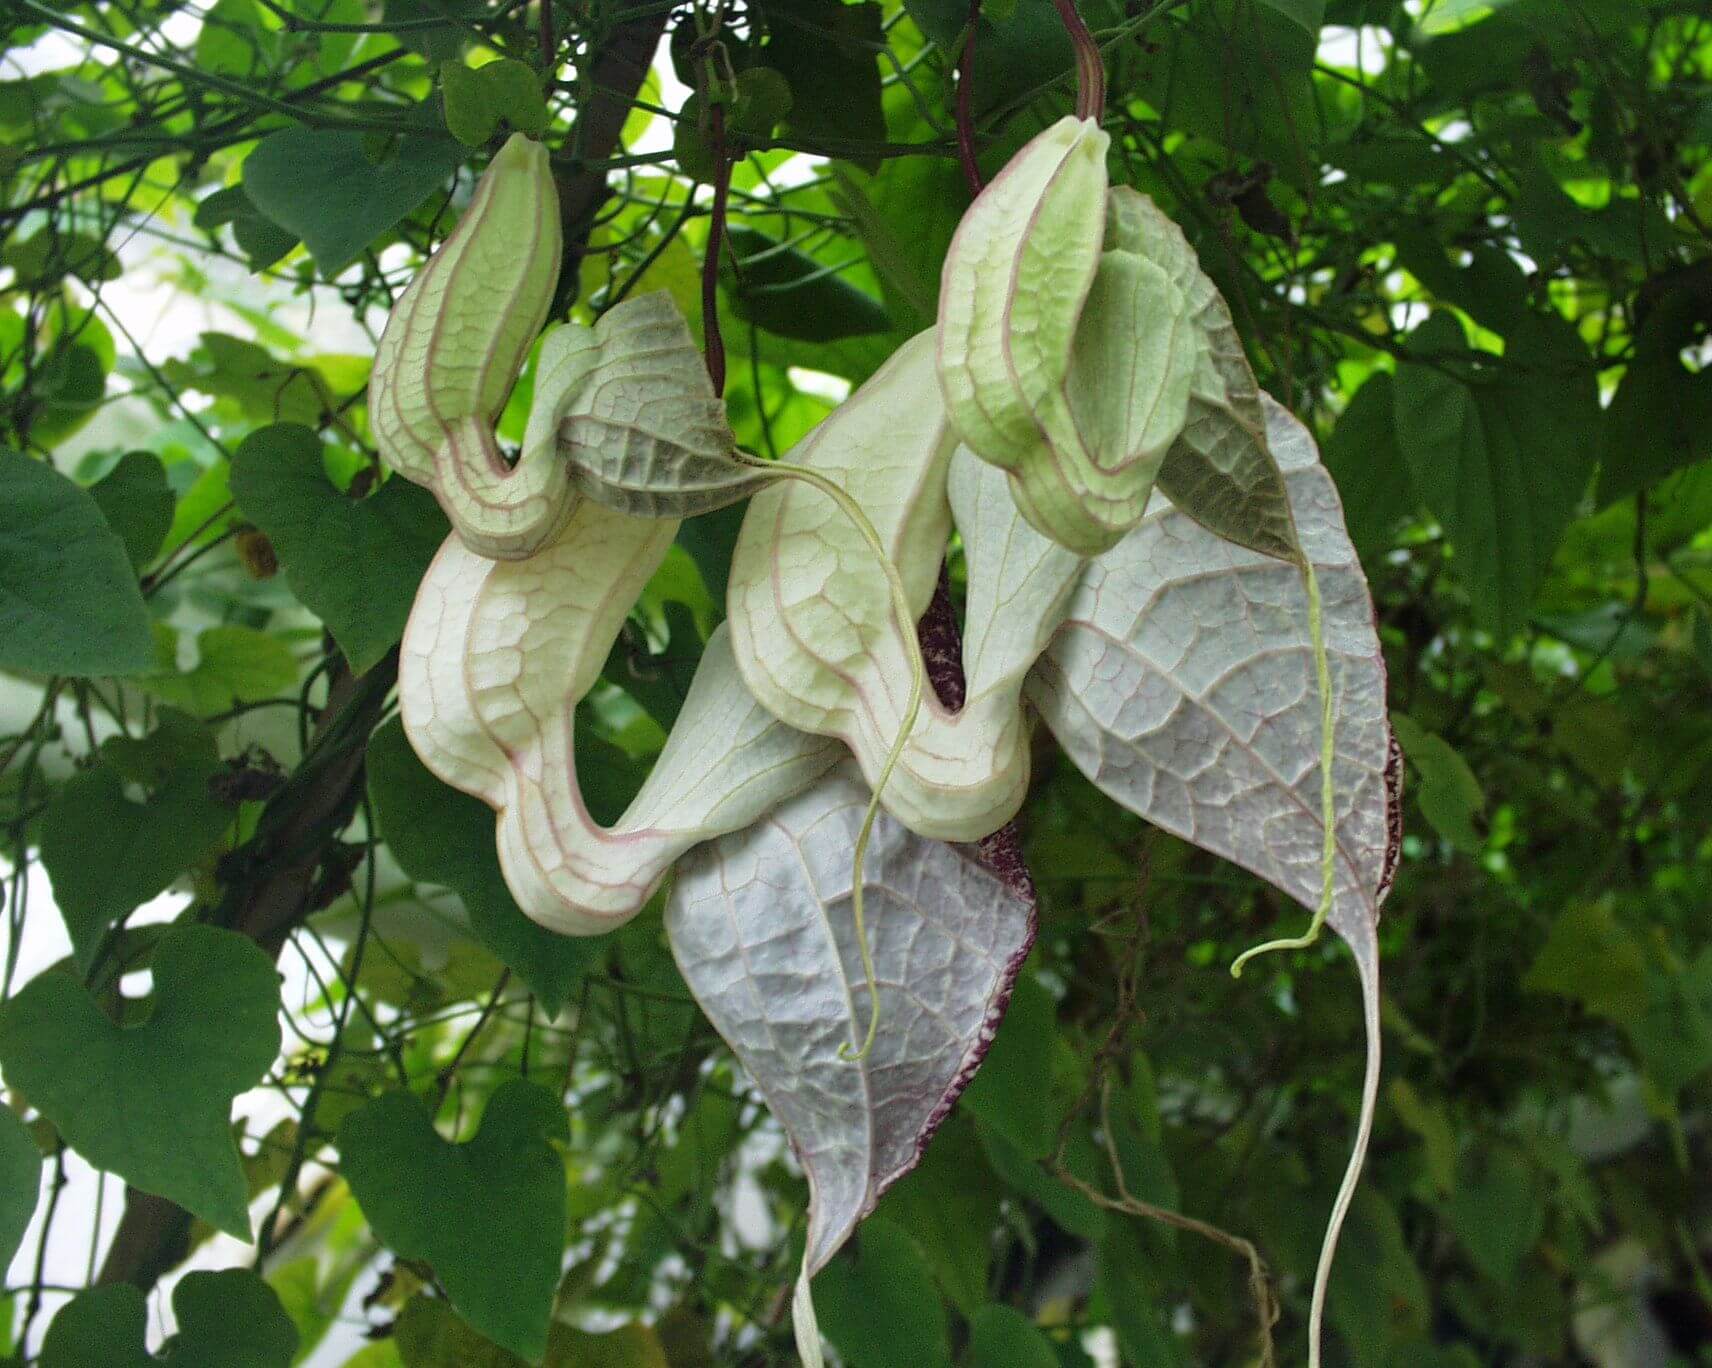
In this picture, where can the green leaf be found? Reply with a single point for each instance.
(430, 1335)
(472, 111)
(233, 665)
(258, 237)
(20, 1182)
(1127, 1279)
(1240, 75)
(435, 41)
(441, 836)
(354, 563)
(145, 844)
(1501, 463)
(692, 143)
(1000, 1337)
(48, 255)
(1592, 958)
(1659, 420)
(891, 259)
(69, 602)
(950, 1204)
(261, 240)
(515, 91)
(229, 1319)
(1378, 1294)
(152, 1102)
(137, 502)
(1447, 16)
(322, 186)
(763, 99)
(177, 742)
(1070, 1209)
(234, 41)
(630, 1346)
(877, 1303)
(1497, 1212)
(1431, 1122)
(488, 1214)
(1310, 14)
(1364, 461)
(262, 387)
(827, 51)
(1450, 796)
(1012, 1093)
(785, 291)
(1673, 1037)
(1014, 53)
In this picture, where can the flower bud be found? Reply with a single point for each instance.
(452, 350)
(1066, 359)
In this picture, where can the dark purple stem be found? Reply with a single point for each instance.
(942, 652)
(713, 343)
(966, 101)
(1090, 70)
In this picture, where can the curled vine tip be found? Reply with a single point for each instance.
(1304, 941)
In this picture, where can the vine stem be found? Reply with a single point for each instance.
(712, 343)
(966, 102)
(1090, 70)
(912, 710)
(1328, 786)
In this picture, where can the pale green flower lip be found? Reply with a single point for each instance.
(452, 350)
(1067, 349)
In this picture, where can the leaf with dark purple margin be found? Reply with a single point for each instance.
(759, 922)
(1182, 684)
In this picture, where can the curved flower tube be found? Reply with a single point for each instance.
(816, 638)
(496, 658)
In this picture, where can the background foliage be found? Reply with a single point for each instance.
(1470, 240)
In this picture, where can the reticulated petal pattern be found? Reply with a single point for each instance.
(760, 924)
(1182, 683)
(496, 657)
(818, 641)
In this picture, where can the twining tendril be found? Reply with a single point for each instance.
(912, 710)
(1328, 793)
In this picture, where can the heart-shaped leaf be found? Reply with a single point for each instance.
(760, 924)
(229, 1319)
(496, 658)
(145, 845)
(233, 664)
(20, 1182)
(137, 502)
(1182, 683)
(1001, 1337)
(152, 1102)
(354, 563)
(487, 1215)
(69, 602)
(322, 185)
